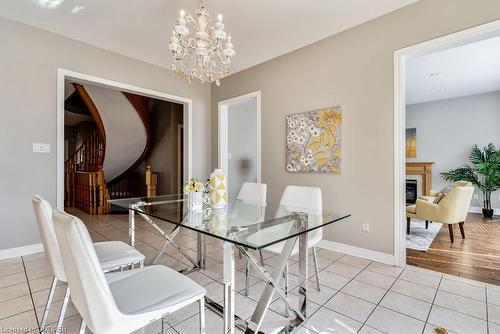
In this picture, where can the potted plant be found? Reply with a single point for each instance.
(484, 173)
(194, 190)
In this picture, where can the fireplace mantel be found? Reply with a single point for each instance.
(424, 169)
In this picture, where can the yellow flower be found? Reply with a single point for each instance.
(198, 186)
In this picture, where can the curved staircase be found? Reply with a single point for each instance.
(101, 168)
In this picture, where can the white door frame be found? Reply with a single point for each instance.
(467, 36)
(63, 74)
(223, 128)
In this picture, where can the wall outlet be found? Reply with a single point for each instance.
(476, 196)
(41, 148)
(366, 227)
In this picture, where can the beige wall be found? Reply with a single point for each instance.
(353, 69)
(29, 59)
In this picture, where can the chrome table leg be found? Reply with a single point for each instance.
(131, 227)
(316, 269)
(228, 262)
(48, 304)
(201, 251)
(303, 268)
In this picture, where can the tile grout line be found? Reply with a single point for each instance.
(432, 304)
(31, 295)
(378, 303)
(487, 317)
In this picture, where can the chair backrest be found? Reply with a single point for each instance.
(304, 199)
(455, 205)
(43, 214)
(90, 291)
(254, 193)
(462, 184)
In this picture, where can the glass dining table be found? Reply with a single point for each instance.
(243, 226)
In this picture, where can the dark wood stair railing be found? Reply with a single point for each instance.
(85, 187)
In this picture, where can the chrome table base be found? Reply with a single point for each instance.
(231, 321)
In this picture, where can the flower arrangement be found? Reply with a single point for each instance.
(194, 186)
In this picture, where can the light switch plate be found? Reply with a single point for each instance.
(366, 227)
(41, 148)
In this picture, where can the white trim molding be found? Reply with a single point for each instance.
(63, 74)
(478, 209)
(222, 121)
(467, 36)
(358, 252)
(20, 251)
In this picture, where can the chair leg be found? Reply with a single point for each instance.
(48, 304)
(426, 224)
(316, 269)
(261, 258)
(462, 231)
(450, 228)
(408, 220)
(82, 327)
(202, 315)
(63, 312)
(285, 276)
(247, 279)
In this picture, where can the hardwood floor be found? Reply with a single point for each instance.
(475, 257)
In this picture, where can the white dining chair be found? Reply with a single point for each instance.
(120, 302)
(306, 200)
(112, 255)
(254, 195)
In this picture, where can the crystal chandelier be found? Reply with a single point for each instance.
(201, 51)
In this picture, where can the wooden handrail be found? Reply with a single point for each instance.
(87, 100)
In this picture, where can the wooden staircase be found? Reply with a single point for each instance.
(84, 183)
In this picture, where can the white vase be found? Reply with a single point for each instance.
(218, 189)
(195, 201)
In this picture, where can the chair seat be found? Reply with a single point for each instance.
(113, 254)
(314, 238)
(165, 288)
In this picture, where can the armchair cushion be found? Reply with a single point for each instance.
(411, 209)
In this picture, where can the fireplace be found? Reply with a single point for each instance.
(411, 191)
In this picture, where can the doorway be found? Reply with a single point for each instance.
(239, 140)
(410, 128)
(65, 76)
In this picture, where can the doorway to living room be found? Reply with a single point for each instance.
(447, 114)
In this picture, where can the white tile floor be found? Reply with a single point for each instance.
(357, 296)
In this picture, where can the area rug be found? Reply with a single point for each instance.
(421, 239)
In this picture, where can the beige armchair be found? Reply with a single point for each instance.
(452, 209)
(434, 193)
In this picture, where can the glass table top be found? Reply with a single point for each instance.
(251, 225)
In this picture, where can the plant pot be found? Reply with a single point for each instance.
(487, 213)
(195, 201)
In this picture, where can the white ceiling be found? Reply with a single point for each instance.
(466, 70)
(261, 29)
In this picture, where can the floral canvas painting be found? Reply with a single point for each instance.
(314, 141)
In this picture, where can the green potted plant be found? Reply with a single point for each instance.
(484, 173)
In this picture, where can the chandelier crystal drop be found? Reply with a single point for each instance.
(201, 51)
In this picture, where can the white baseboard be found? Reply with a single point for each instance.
(477, 209)
(20, 251)
(357, 251)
